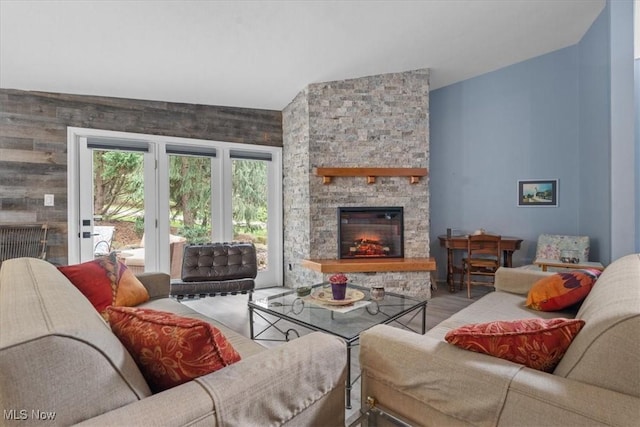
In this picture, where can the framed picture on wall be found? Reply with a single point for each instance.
(538, 192)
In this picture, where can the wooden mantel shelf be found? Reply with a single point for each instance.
(414, 174)
(369, 265)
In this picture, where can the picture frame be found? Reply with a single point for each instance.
(538, 193)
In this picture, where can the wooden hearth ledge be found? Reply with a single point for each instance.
(369, 265)
(414, 174)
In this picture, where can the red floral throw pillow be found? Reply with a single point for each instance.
(561, 290)
(105, 281)
(170, 349)
(536, 343)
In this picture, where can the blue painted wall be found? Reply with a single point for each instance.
(593, 217)
(637, 143)
(545, 118)
(520, 122)
(623, 189)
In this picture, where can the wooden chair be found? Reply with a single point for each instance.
(483, 259)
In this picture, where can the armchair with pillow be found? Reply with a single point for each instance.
(553, 246)
(504, 360)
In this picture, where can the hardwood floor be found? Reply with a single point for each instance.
(232, 312)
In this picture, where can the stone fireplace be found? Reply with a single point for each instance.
(370, 122)
(370, 232)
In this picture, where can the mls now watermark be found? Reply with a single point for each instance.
(24, 414)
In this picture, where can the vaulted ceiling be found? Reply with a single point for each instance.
(260, 54)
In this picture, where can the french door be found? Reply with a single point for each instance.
(147, 196)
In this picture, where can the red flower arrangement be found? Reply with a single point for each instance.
(338, 278)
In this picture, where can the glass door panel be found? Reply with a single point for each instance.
(118, 204)
(190, 217)
(113, 201)
(250, 208)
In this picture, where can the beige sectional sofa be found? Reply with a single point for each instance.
(59, 358)
(430, 382)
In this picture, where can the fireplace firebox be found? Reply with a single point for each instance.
(370, 232)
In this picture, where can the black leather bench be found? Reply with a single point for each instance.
(216, 269)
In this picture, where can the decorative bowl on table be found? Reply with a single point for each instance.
(303, 291)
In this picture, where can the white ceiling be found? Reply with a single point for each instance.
(260, 54)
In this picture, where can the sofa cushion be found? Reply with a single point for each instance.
(170, 349)
(561, 290)
(105, 281)
(536, 343)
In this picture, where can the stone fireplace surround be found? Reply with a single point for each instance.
(375, 121)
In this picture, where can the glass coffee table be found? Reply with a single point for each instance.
(315, 312)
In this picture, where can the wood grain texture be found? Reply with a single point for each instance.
(33, 144)
(369, 265)
(414, 174)
(321, 171)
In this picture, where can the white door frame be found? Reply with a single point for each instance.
(156, 232)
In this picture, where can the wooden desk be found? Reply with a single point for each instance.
(508, 245)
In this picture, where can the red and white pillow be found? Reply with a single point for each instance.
(170, 349)
(536, 343)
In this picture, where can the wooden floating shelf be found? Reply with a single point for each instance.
(414, 174)
(369, 265)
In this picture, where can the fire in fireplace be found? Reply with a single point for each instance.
(370, 232)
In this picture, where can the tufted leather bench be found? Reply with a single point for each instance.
(216, 269)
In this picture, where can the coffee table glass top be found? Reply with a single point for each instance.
(346, 321)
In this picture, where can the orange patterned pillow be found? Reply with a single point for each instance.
(105, 281)
(561, 290)
(536, 343)
(170, 349)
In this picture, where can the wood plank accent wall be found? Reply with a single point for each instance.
(33, 144)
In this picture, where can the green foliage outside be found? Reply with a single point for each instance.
(249, 186)
(196, 234)
(118, 184)
(190, 191)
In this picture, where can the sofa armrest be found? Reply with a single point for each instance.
(518, 280)
(537, 398)
(302, 380)
(185, 405)
(422, 378)
(158, 284)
